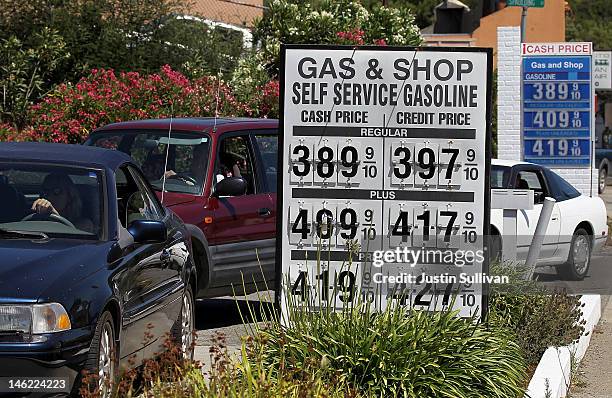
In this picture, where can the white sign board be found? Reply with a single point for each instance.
(385, 174)
(602, 70)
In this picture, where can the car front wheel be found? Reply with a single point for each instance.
(102, 359)
(183, 328)
(579, 259)
(603, 177)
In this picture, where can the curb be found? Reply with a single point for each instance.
(553, 374)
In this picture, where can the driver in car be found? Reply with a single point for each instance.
(153, 167)
(60, 197)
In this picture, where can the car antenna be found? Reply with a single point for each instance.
(166, 161)
(217, 102)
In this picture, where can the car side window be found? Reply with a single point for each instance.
(533, 180)
(268, 149)
(234, 160)
(563, 189)
(134, 202)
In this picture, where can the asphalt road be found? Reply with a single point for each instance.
(598, 280)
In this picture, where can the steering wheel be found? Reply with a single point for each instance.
(50, 217)
(185, 178)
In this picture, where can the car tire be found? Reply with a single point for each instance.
(579, 259)
(495, 250)
(603, 178)
(102, 358)
(183, 329)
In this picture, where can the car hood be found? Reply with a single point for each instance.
(173, 199)
(28, 268)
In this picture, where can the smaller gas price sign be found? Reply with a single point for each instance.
(557, 104)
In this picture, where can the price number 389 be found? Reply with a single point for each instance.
(329, 163)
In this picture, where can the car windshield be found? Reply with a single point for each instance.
(500, 176)
(57, 201)
(187, 154)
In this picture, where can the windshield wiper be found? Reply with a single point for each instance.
(14, 234)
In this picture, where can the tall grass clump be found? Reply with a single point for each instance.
(398, 352)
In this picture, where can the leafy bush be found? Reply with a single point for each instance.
(24, 72)
(171, 376)
(399, 352)
(330, 22)
(72, 111)
(7, 132)
(347, 354)
(539, 318)
(123, 35)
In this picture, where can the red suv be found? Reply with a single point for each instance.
(221, 180)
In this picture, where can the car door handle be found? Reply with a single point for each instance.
(264, 212)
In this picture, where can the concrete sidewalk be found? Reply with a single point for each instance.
(607, 197)
(594, 378)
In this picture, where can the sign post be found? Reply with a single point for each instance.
(384, 192)
(525, 4)
(557, 104)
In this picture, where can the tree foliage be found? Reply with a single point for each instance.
(124, 35)
(590, 20)
(331, 22)
(423, 10)
(25, 72)
(44, 43)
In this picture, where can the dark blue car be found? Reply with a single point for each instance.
(89, 261)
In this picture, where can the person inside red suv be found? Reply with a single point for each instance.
(229, 166)
(154, 164)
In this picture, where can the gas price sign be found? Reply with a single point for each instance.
(557, 105)
(385, 159)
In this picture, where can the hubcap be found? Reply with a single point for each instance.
(581, 254)
(105, 362)
(187, 326)
(602, 179)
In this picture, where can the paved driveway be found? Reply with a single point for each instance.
(607, 197)
(224, 315)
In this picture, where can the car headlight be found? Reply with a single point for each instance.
(34, 319)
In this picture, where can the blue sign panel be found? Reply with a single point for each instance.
(557, 110)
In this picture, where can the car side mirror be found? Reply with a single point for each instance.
(230, 186)
(148, 231)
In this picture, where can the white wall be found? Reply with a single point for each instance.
(509, 109)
